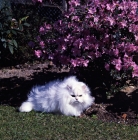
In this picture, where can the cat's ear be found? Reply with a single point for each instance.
(69, 87)
(84, 87)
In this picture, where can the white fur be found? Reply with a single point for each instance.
(56, 97)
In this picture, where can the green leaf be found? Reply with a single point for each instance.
(4, 45)
(14, 32)
(21, 27)
(23, 19)
(3, 40)
(26, 24)
(10, 42)
(0, 25)
(8, 31)
(9, 17)
(15, 43)
(11, 48)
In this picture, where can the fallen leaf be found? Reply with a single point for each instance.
(124, 116)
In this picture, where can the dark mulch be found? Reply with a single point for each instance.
(15, 83)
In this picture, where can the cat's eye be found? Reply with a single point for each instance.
(80, 95)
(73, 95)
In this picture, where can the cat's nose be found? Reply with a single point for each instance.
(76, 99)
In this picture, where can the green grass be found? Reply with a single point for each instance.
(40, 126)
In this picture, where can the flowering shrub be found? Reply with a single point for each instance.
(94, 29)
(91, 30)
(35, 1)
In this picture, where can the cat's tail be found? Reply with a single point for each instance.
(26, 107)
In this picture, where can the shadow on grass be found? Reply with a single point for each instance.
(14, 90)
(122, 103)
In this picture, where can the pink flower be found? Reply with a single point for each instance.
(62, 47)
(133, 28)
(38, 53)
(107, 66)
(91, 55)
(118, 67)
(75, 18)
(91, 10)
(51, 56)
(109, 7)
(37, 1)
(111, 20)
(38, 38)
(42, 44)
(117, 63)
(98, 54)
(78, 43)
(130, 48)
(79, 62)
(96, 19)
(74, 3)
(114, 52)
(74, 62)
(136, 37)
(85, 63)
(47, 26)
(42, 30)
(40, 1)
(135, 71)
(123, 23)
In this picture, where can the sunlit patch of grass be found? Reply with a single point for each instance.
(41, 126)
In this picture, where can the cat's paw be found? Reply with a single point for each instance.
(77, 114)
(82, 115)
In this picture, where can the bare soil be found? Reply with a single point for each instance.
(15, 83)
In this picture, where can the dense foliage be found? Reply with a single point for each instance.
(95, 29)
(10, 29)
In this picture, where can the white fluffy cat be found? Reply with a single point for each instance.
(68, 97)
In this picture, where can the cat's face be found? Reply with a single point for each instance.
(77, 92)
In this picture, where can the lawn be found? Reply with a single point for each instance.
(40, 126)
